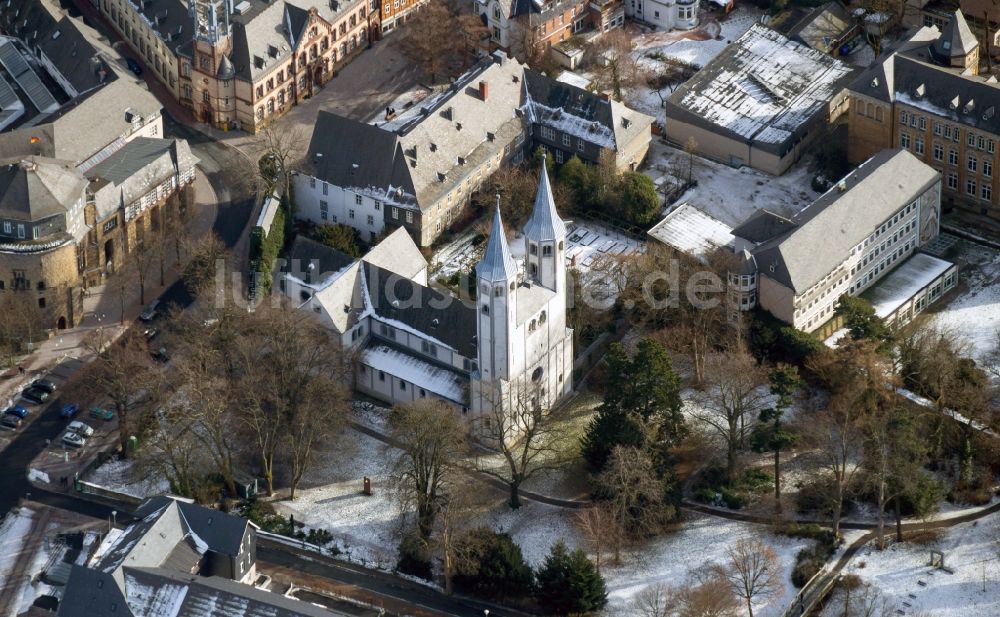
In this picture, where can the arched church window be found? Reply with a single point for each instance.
(498, 291)
(542, 317)
(512, 286)
(537, 374)
(486, 309)
(532, 248)
(547, 250)
(531, 326)
(560, 246)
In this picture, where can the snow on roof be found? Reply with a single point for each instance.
(565, 122)
(691, 231)
(573, 79)
(763, 86)
(906, 281)
(439, 381)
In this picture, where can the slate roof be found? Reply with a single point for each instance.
(956, 39)
(139, 154)
(305, 252)
(946, 92)
(39, 24)
(763, 225)
(434, 313)
(544, 225)
(397, 253)
(158, 592)
(838, 220)
(430, 148)
(260, 39)
(37, 188)
(375, 158)
(497, 264)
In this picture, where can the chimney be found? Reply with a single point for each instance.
(484, 90)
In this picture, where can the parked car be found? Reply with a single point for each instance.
(69, 410)
(161, 355)
(35, 395)
(150, 312)
(44, 384)
(80, 428)
(10, 422)
(133, 66)
(150, 333)
(17, 410)
(101, 413)
(74, 439)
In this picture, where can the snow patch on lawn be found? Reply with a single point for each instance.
(970, 551)
(365, 527)
(129, 478)
(974, 314)
(700, 543)
(728, 194)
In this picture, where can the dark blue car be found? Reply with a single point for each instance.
(17, 410)
(69, 410)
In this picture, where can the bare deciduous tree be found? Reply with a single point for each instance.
(601, 530)
(656, 600)
(431, 441)
(121, 373)
(732, 401)
(709, 598)
(525, 435)
(634, 494)
(752, 570)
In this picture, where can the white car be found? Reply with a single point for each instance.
(74, 439)
(80, 428)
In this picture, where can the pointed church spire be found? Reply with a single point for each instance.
(497, 263)
(544, 224)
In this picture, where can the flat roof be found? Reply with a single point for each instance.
(906, 281)
(691, 231)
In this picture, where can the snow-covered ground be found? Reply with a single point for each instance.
(367, 528)
(696, 47)
(128, 477)
(729, 194)
(974, 314)
(903, 576)
(586, 241)
(14, 532)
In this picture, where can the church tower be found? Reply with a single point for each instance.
(545, 240)
(496, 285)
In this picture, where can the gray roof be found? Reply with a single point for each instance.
(544, 224)
(831, 226)
(909, 74)
(763, 225)
(56, 35)
(763, 89)
(497, 265)
(956, 39)
(306, 252)
(259, 34)
(375, 158)
(435, 313)
(428, 149)
(222, 532)
(37, 188)
(158, 592)
(138, 155)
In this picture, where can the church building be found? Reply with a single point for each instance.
(508, 347)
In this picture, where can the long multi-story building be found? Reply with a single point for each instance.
(527, 27)
(927, 96)
(239, 64)
(798, 267)
(419, 169)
